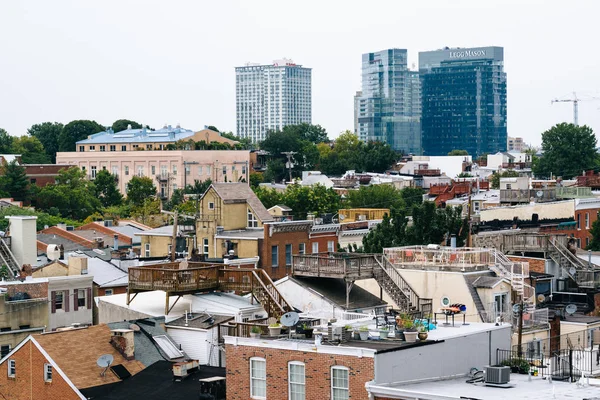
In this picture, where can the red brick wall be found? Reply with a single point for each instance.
(583, 233)
(35, 290)
(116, 290)
(535, 264)
(106, 230)
(281, 239)
(29, 378)
(317, 370)
(43, 174)
(322, 239)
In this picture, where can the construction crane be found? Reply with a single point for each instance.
(575, 100)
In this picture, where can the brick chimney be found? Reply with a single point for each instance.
(78, 265)
(123, 341)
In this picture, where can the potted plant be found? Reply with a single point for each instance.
(423, 333)
(347, 333)
(356, 334)
(255, 332)
(410, 331)
(308, 331)
(275, 329)
(400, 319)
(384, 332)
(300, 329)
(364, 332)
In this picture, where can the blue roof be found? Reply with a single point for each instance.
(166, 134)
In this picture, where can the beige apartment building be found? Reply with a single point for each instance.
(169, 169)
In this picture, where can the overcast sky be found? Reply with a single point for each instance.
(173, 61)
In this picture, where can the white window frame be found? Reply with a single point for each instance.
(275, 260)
(93, 171)
(80, 293)
(174, 169)
(587, 220)
(12, 368)
(315, 248)
(47, 372)
(211, 205)
(140, 170)
(205, 247)
(252, 378)
(252, 220)
(333, 388)
(290, 247)
(62, 300)
(331, 246)
(301, 248)
(146, 249)
(302, 384)
(108, 292)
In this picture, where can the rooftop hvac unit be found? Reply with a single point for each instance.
(497, 375)
(362, 217)
(70, 228)
(318, 221)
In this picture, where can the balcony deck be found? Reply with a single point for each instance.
(440, 258)
(334, 265)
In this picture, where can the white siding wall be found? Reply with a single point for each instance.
(195, 343)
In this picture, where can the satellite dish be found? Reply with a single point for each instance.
(539, 194)
(290, 319)
(571, 309)
(516, 308)
(105, 360)
(342, 217)
(572, 271)
(134, 327)
(541, 298)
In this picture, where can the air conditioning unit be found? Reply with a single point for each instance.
(497, 375)
(70, 228)
(362, 217)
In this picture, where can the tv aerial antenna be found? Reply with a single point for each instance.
(105, 362)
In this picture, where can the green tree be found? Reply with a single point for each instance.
(139, 189)
(390, 232)
(149, 206)
(5, 142)
(594, 244)
(213, 128)
(177, 198)
(256, 178)
(268, 197)
(310, 199)
(412, 197)
(457, 152)
(199, 187)
(43, 218)
(47, 133)
(377, 157)
(495, 178)
(107, 190)
(31, 150)
(75, 131)
(73, 196)
(122, 124)
(14, 182)
(567, 151)
(375, 196)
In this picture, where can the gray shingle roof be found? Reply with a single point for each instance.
(487, 282)
(237, 192)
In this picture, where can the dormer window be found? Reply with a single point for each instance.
(252, 220)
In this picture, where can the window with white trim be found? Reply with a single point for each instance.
(258, 378)
(12, 368)
(296, 380)
(58, 302)
(147, 250)
(252, 220)
(288, 254)
(205, 245)
(587, 220)
(330, 246)
(339, 383)
(211, 205)
(108, 292)
(301, 248)
(81, 298)
(47, 373)
(315, 247)
(140, 170)
(93, 169)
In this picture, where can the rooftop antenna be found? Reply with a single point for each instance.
(289, 319)
(104, 361)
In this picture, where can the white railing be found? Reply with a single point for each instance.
(432, 255)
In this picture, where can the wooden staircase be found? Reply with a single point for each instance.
(8, 259)
(515, 273)
(390, 280)
(265, 292)
(560, 254)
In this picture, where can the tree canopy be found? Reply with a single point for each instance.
(121, 124)
(73, 196)
(107, 190)
(47, 133)
(5, 142)
(594, 244)
(31, 150)
(302, 199)
(14, 182)
(75, 131)
(139, 189)
(457, 152)
(430, 225)
(568, 150)
(495, 178)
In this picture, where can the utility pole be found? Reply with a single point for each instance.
(174, 239)
(289, 164)
(520, 331)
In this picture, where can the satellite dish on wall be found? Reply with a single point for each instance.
(290, 319)
(134, 327)
(571, 309)
(572, 271)
(541, 298)
(539, 194)
(516, 308)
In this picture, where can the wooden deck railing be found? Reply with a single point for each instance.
(172, 280)
(334, 265)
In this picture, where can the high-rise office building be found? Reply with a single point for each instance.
(463, 95)
(269, 97)
(357, 97)
(389, 109)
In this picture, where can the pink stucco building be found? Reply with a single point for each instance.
(169, 169)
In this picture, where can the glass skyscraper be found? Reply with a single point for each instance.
(269, 97)
(463, 95)
(389, 109)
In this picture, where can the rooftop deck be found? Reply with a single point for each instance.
(334, 265)
(438, 258)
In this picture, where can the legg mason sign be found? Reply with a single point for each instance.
(466, 53)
